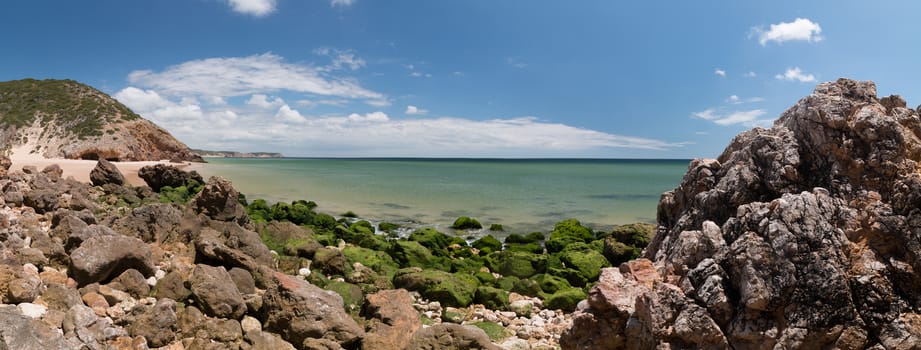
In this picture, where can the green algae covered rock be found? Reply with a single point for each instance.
(527, 287)
(449, 289)
(617, 252)
(487, 244)
(584, 259)
(565, 300)
(352, 297)
(506, 282)
(436, 241)
(567, 232)
(636, 235)
(495, 331)
(380, 262)
(533, 237)
(485, 277)
(515, 263)
(551, 284)
(413, 254)
(491, 297)
(466, 223)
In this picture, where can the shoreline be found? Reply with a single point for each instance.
(80, 169)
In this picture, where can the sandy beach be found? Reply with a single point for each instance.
(80, 169)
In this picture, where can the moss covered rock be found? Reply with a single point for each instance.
(551, 284)
(436, 241)
(495, 331)
(527, 287)
(449, 289)
(518, 264)
(565, 300)
(487, 244)
(331, 262)
(587, 261)
(413, 254)
(533, 237)
(506, 282)
(617, 252)
(378, 261)
(388, 227)
(491, 297)
(636, 235)
(466, 223)
(352, 297)
(567, 232)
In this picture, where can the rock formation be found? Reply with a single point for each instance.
(804, 235)
(66, 119)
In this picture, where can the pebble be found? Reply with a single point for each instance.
(305, 272)
(32, 310)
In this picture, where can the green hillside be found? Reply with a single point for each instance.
(83, 109)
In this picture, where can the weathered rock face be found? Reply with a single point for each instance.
(298, 310)
(804, 235)
(393, 320)
(159, 175)
(102, 257)
(219, 201)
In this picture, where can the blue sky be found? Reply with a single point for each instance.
(650, 79)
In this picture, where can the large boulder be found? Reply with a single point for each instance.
(392, 320)
(158, 176)
(220, 201)
(213, 289)
(298, 310)
(449, 289)
(105, 256)
(153, 223)
(804, 235)
(106, 173)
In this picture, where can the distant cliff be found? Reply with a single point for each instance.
(67, 119)
(233, 154)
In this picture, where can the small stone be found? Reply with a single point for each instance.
(304, 272)
(33, 310)
(250, 324)
(97, 302)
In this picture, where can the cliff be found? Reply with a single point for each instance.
(804, 235)
(66, 119)
(235, 154)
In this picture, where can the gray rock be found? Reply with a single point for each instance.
(172, 286)
(101, 257)
(243, 280)
(20, 332)
(132, 282)
(106, 173)
(298, 310)
(267, 341)
(451, 336)
(53, 171)
(42, 200)
(153, 223)
(214, 290)
(157, 324)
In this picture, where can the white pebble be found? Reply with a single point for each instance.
(32, 310)
(152, 281)
(303, 272)
(159, 274)
(30, 268)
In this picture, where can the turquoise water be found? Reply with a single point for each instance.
(522, 195)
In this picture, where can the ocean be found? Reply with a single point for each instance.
(523, 195)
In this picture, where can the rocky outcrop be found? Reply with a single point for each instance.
(220, 201)
(159, 175)
(804, 235)
(393, 320)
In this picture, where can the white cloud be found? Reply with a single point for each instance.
(801, 29)
(750, 75)
(287, 114)
(342, 2)
(340, 59)
(413, 110)
(514, 62)
(795, 74)
(370, 117)
(256, 8)
(262, 101)
(734, 99)
(237, 76)
(719, 72)
(157, 108)
(746, 118)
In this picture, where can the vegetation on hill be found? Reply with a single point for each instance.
(83, 109)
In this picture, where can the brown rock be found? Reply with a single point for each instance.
(393, 320)
(220, 201)
(106, 173)
(157, 324)
(214, 290)
(132, 282)
(298, 310)
(102, 257)
(160, 175)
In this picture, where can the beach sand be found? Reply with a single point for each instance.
(80, 169)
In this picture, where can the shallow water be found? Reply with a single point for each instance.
(522, 195)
